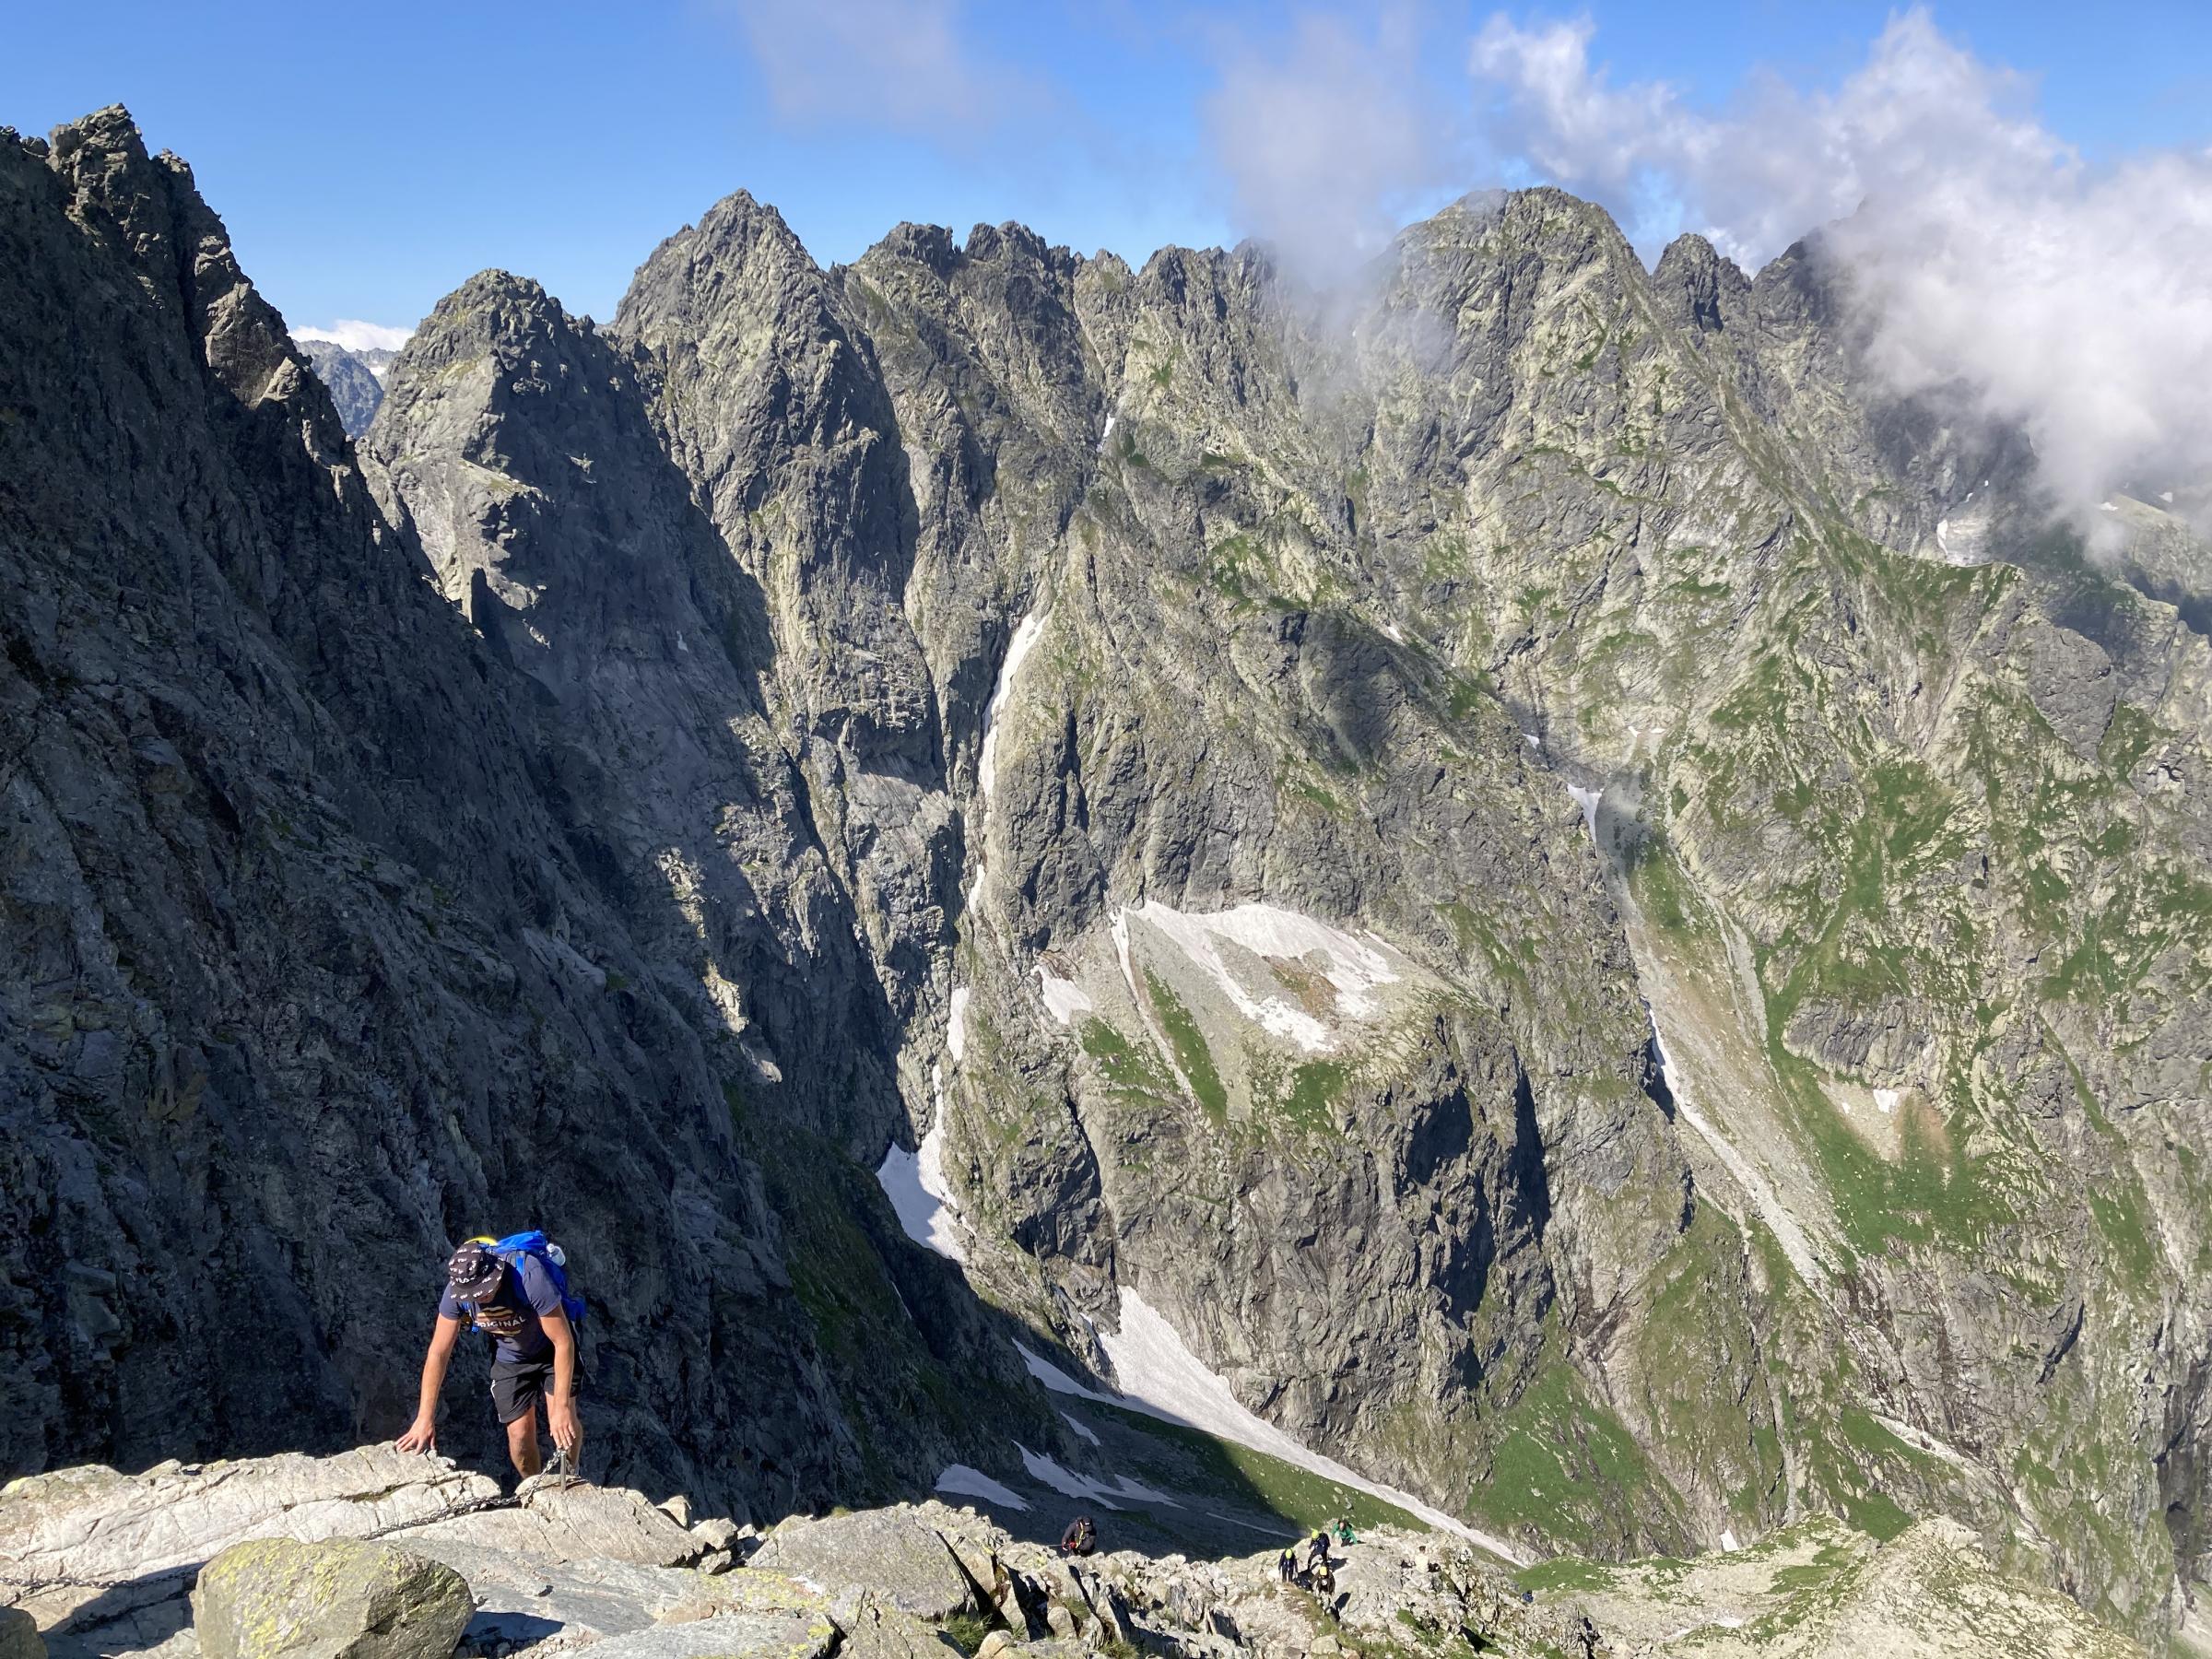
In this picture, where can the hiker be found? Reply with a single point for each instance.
(1080, 1539)
(515, 1290)
(1344, 1531)
(1317, 1552)
(1285, 1566)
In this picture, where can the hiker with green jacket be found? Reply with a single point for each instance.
(519, 1296)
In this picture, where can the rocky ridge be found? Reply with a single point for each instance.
(354, 379)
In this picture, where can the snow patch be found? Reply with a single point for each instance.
(1587, 799)
(914, 1183)
(1058, 1380)
(1106, 434)
(1886, 1099)
(1534, 741)
(2106, 507)
(1163, 1377)
(1064, 998)
(1943, 536)
(2166, 496)
(1025, 639)
(1389, 630)
(964, 1482)
(1728, 1543)
(1080, 1426)
(1355, 967)
(956, 1025)
(1046, 1472)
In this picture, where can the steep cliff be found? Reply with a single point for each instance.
(331, 940)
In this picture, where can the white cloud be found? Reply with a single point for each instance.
(901, 63)
(2065, 297)
(1328, 138)
(356, 335)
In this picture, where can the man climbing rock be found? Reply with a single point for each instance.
(1080, 1539)
(515, 1291)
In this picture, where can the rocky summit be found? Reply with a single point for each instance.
(1511, 900)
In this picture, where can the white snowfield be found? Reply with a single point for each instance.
(1161, 1377)
(1355, 967)
(1026, 636)
(914, 1183)
(1587, 799)
(961, 1481)
(1064, 999)
(1046, 1471)
(956, 1025)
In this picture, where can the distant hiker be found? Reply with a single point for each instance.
(1317, 1552)
(1285, 1566)
(1344, 1531)
(1080, 1539)
(516, 1291)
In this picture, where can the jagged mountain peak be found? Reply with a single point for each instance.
(1472, 881)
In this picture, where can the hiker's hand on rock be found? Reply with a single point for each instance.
(422, 1437)
(560, 1416)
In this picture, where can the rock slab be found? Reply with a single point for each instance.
(278, 1598)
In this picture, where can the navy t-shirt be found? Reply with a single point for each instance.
(511, 1315)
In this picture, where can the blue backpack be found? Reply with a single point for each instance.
(514, 1246)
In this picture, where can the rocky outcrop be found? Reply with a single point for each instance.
(336, 1599)
(828, 1584)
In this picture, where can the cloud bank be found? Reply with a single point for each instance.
(1329, 137)
(356, 335)
(1990, 256)
(2067, 298)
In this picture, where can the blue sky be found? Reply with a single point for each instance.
(368, 160)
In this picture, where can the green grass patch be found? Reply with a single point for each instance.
(1188, 1044)
(1565, 1573)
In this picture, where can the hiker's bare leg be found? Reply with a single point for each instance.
(521, 1443)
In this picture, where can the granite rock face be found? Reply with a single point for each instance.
(328, 947)
(354, 379)
(1607, 921)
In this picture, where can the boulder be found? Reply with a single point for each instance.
(571, 1522)
(886, 1551)
(278, 1598)
(19, 1637)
